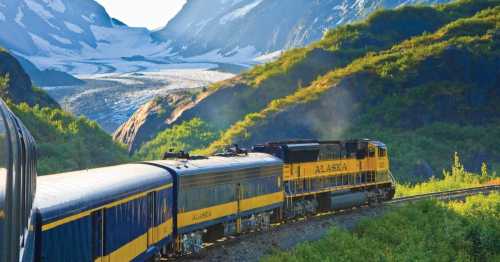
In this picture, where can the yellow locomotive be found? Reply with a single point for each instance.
(325, 175)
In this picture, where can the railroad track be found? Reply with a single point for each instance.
(446, 195)
(320, 219)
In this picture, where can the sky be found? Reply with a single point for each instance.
(152, 14)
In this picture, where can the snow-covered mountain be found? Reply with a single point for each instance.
(74, 36)
(226, 27)
(79, 37)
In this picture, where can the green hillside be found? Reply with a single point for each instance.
(65, 142)
(229, 101)
(426, 97)
(427, 231)
(422, 79)
(15, 84)
(190, 135)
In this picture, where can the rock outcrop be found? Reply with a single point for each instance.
(152, 118)
(19, 87)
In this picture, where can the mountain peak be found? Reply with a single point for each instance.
(228, 25)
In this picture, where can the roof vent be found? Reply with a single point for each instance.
(175, 155)
(181, 155)
(233, 150)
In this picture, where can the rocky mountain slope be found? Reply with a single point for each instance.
(34, 27)
(427, 89)
(251, 27)
(72, 36)
(426, 98)
(151, 119)
(65, 142)
(227, 102)
(48, 77)
(17, 85)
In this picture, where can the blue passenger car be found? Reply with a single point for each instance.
(120, 213)
(223, 195)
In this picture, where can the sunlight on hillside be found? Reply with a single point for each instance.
(457, 178)
(426, 231)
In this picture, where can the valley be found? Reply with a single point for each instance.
(250, 130)
(110, 99)
(237, 71)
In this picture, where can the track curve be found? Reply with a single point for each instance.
(253, 246)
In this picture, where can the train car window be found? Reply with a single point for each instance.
(97, 234)
(4, 160)
(361, 154)
(382, 152)
(371, 152)
(204, 196)
(330, 151)
(17, 184)
(301, 153)
(351, 149)
(23, 175)
(152, 211)
(15, 177)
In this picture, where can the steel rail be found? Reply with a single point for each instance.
(451, 194)
(444, 195)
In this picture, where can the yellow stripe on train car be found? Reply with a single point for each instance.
(206, 214)
(261, 201)
(113, 204)
(129, 251)
(160, 232)
(331, 168)
(137, 246)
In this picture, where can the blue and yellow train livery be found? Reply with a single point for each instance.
(120, 213)
(136, 212)
(223, 195)
(326, 175)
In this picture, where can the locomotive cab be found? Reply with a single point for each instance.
(326, 175)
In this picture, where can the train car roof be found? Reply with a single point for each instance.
(213, 164)
(73, 192)
(378, 143)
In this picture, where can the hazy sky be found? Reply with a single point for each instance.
(143, 13)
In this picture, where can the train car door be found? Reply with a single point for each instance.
(98, 235)
(372, 157)
(239, 196)
(152, 234)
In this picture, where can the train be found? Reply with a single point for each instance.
(142, 211)
(17, 188)
(139, 211)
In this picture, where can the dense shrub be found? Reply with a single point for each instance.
(399, 94)
(423, 231)
(456, 178)
(66, 142)
(405, 63)
(187, 136)
(433, 145)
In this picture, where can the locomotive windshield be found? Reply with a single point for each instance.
(299, 153)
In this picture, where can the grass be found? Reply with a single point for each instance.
(423, 231)
(67, 143)
(456, 178)
(391, 64)
(300, 67)
(187, 136)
